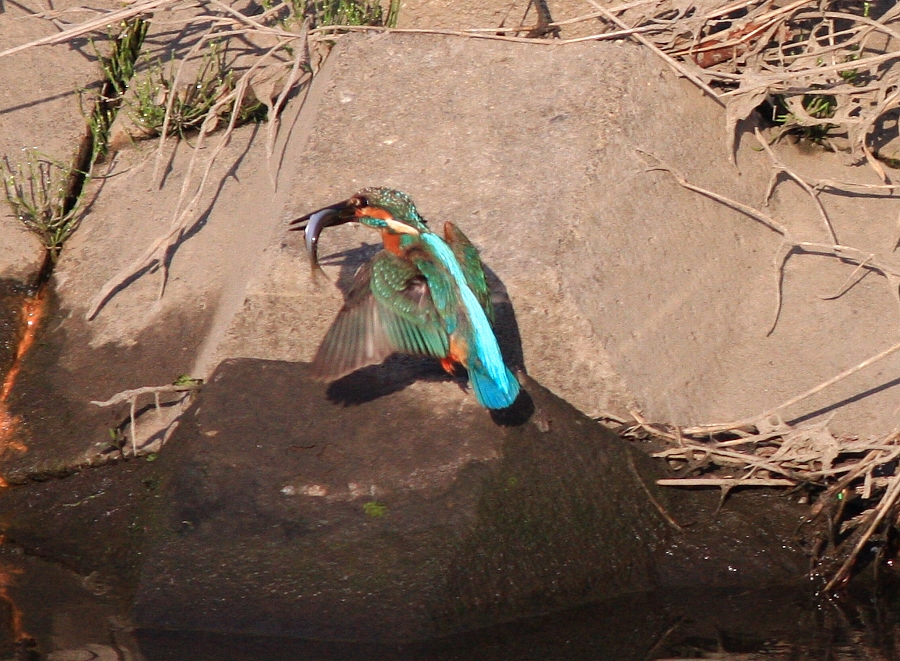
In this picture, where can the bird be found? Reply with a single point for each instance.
(423, 295)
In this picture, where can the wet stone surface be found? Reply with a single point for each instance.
(385, 506)
(366, 511)
(12, 294)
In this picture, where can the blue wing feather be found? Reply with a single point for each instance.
(495, 386)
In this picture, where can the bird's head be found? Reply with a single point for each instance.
(383, 209)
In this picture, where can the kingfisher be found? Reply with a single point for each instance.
(423, 295)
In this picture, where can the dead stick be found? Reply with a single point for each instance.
(678, 67)
(778, 165)
(128, 395)
(883, 507)
(714, 428)
(724, 482)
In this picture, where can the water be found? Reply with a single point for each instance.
(49, 612)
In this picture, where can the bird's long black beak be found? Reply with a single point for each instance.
(313, 223)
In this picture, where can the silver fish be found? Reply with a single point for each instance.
(313, 223)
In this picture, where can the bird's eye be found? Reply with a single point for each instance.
(359, 201)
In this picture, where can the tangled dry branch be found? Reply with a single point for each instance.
(764, 450)
(831, 63)
(184, 388)
(768, 452)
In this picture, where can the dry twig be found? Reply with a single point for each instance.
(848, 254)
(131, 397)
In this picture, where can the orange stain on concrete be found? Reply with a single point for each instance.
(33, 310)
(32, 313)
(7, 578)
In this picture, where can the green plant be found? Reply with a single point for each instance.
(38, 194)
(193, 102)
(187, 380)
(347, 12)
(375, 509)
(45, 195)
(818, 106)
(118, 70)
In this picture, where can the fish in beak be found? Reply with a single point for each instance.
(313, 223)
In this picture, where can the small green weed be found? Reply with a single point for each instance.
(187, 380)
(348, 12)
(46, 195)
(375, 509)
(819, 106)
(37, 194)
(340, 12)
(118, 70)
(192, 102)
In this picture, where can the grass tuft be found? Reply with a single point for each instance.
(192, 102)
(118, 70)
(816, 106)
(46, 195)
(36, 193)
(321, 13)
(348, 12)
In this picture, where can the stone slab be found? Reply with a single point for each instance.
(617, 288)
(39, 105)
(378, 510)
(473, 14)
(138, 338)
(627, 289)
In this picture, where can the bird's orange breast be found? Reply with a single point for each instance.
(392, 242)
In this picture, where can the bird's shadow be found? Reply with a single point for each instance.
(399, 371)
(376, 381)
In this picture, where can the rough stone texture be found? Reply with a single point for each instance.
(617, 288)
(50, 612)
(469, 14)
(815, 338)
(386, 508)
(20, 251)
(39, 107)
(172, 49)
(404, 513)
(626, 288)
(137, 339)
(262, 514)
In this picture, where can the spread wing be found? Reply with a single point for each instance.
(389, 309)
(468, 257)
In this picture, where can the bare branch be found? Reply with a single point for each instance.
(781, 167)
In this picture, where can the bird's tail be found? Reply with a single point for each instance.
(493, 393)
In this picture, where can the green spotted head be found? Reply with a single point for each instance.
(380, 203)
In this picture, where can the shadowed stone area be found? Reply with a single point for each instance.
(387, 506)
(675, 624)
(287, 513)
(56, 424)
